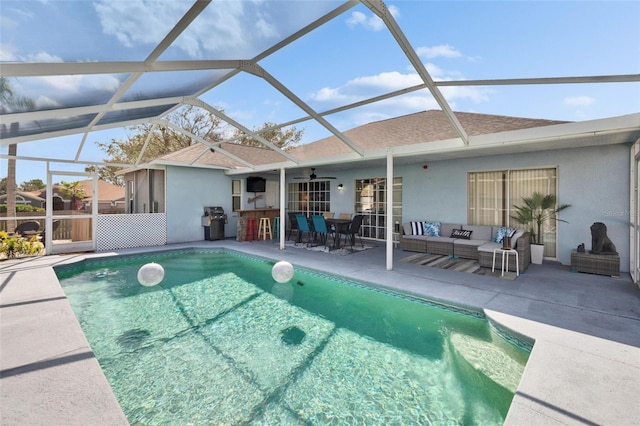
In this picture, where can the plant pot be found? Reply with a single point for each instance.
(537, 253)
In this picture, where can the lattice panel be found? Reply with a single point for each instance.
(117, 231)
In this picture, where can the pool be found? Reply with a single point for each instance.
(220, 342)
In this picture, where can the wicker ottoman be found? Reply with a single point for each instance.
(601, 264)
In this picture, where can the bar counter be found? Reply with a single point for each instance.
(243, 215)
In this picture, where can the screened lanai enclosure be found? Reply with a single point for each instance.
(78, 76)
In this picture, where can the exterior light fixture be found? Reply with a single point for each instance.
(340, 187)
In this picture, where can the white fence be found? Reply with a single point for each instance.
(118, 231)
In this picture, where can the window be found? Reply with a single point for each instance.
(236, 194)
(492, 196)
(371, 201)
(309, 197)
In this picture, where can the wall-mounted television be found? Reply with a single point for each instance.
(256, 184)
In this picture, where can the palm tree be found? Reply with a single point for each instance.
(73, 190)
(536, 210)
(10, 102)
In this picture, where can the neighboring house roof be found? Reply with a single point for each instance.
(426, 126)
(107, 192)
(26, 195)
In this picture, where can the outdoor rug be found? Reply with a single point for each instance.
(456, 264)
(342, 251)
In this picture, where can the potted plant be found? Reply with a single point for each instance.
(536, 210)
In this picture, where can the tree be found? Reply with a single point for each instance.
(281, 138)
(32, 185)
(165, 140)
(3, 186)
(75, 191)
(10, 102)
(536, 211)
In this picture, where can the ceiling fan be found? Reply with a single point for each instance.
(313, 176)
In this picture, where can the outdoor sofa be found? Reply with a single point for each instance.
(455, 240)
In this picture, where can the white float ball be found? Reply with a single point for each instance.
(282, 271)
(150, 274)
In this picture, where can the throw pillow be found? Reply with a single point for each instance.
(503, 232)
(461, 234)
(417, 228)
(432, 229)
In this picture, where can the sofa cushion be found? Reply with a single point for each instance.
(470, 243)
(489, 246)
(480, 232)
(432, 229)
(461, 233)
(447, 228)
(502, 232)
(514, 239)
(415, 237)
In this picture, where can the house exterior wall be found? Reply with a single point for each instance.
(593, 180)
(189, 191)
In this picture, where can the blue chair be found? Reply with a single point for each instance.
(320, 228)
(303, 226)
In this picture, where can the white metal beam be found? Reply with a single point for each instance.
(203, 141)
(253, 68)
(379, 8)
(201, 104)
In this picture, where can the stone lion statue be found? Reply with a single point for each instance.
(600, 242)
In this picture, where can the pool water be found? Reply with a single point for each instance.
(218, 341)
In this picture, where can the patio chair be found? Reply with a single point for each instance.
(320, 228)
(344, 216)
(292, 224)
(27, 228)
(328, 215)
(54, 227)
(354, 230)
(303, 226)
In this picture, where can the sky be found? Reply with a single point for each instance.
(350, 58)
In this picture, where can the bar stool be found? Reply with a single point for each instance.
(251, 230)
(276, 226)
(264, 228)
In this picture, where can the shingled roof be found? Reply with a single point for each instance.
(421, 127)
(426, 126)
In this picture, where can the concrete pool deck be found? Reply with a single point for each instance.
(584, 367)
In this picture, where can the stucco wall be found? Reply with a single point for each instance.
(189, 190)
(593, 180)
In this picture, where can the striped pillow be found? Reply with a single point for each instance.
(417, 228)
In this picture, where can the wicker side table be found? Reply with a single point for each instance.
(601, 264)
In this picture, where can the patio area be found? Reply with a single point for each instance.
(584, 367)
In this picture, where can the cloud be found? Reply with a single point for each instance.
(135, 22)
(371, 22)
(369, 86)
(7, 53)
(365, 87)
(579, 101)
(441, 51)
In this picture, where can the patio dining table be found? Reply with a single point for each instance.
(339, 225)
